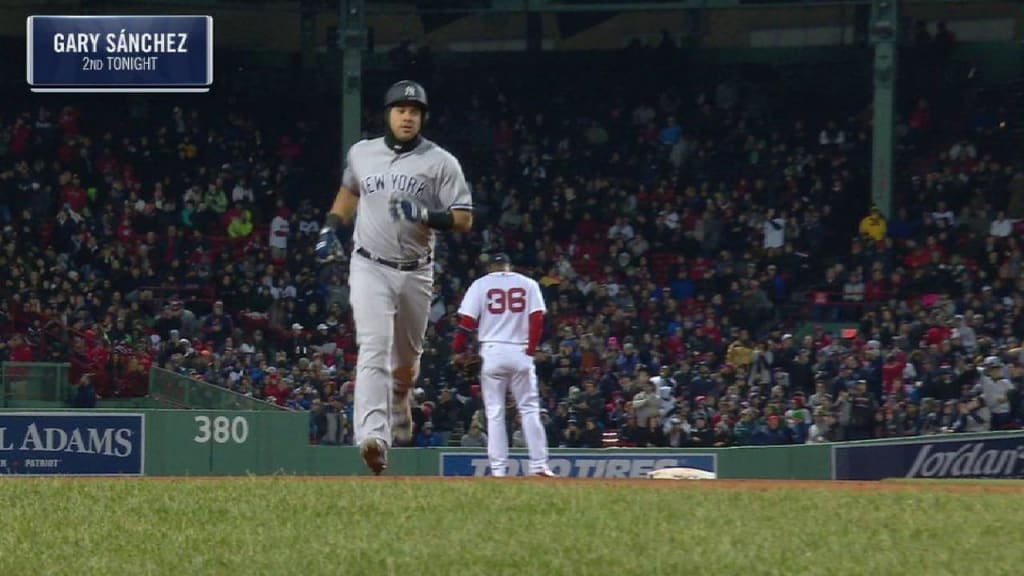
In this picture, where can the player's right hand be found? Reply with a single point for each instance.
(408, 210)
(328, 247)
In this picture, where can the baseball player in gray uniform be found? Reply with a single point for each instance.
(405, 187)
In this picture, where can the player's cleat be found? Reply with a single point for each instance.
(545, 474)
(375, 455)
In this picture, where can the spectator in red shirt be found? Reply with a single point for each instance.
(921, 119)
(126, 232)
(588, 228)
(876, 289)
(20, 351)
(892, 373)
(918, 255)
(74, 195)
(277, 389)
(20, 136)
(675, 347)
(68, 120)
(938, 333)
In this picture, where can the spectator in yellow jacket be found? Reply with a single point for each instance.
(873, 225)
(740, 352)
(241, 226)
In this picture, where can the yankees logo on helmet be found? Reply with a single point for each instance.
(406, 91)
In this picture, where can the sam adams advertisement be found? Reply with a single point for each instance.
(72, 443)
(976, 457)
(590, 464)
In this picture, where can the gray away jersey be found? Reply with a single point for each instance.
(428, 174)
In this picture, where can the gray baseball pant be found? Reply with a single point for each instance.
(390, 308)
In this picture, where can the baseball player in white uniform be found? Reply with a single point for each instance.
(405, 187)
(995, 389)
(507, 309)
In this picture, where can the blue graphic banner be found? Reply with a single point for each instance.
(120, 53)
(591, 464)
(947, 457)
(72, 443)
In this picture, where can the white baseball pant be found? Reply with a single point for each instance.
(506, 367)
(390, 308)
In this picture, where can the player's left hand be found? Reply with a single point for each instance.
(408, 210)
(466, 363)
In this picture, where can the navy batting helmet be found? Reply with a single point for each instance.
(406, 91)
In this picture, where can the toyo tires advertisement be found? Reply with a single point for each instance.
(584, 464)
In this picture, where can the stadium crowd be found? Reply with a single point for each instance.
(714, 273)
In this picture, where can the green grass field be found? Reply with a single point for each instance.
(286, 526)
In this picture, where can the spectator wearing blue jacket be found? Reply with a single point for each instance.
(771, 434)
(683, 287)
(426, 438)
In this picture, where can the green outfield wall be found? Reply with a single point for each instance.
(203, 443)
(234, 443)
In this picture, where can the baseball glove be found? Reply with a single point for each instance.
(467, 365)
